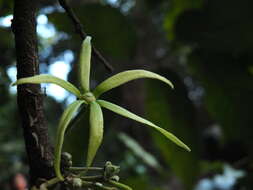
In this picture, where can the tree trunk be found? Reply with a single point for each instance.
(29, 96)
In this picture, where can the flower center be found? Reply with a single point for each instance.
(88, 97)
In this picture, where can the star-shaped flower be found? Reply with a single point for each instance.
(86, 96)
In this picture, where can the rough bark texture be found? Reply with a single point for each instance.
(29, 97)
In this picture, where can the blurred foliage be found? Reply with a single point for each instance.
(174, 111)
(175, 9)
(5, 7)
(203, 47)
(105, 37)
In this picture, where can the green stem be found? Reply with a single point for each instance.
(86, 183)
(97, 185)
(101, 186)
(92, 177)
(85, 169)
(120, 185)
(50, 182)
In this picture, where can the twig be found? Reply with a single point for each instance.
(79, 29)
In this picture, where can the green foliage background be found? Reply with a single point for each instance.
(204, 47)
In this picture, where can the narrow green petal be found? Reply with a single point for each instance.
(85, 57)
(121, 111)
(96, 131)
(37, 79)
(63, 124)
(77, 118)
(124, 77)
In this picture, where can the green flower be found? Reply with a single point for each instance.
(90, 97)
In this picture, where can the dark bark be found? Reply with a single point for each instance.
(29, 96)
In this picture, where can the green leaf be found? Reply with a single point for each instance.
(124, 77)
(63, 124)
(49, 79)
(96, 131)
(121, 111)
(84, 64)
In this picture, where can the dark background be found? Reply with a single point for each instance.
(203, 46)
